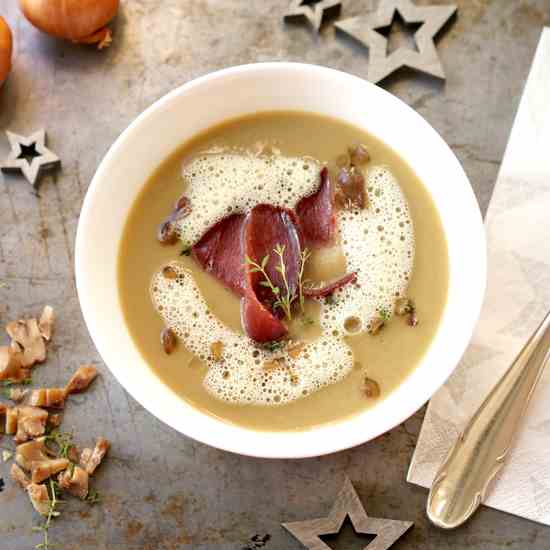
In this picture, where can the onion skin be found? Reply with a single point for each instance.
(80, 21)
(5, 50)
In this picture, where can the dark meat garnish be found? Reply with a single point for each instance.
(266, 228)
(327, 290)
(220, 253)
(259, 257)
(259, 322)
(316, 214)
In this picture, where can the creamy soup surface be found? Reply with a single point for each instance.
(346, 352)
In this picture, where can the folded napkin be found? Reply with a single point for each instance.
(518, 297)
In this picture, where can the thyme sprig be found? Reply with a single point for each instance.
(256, 267)
(285, 301)
(275, 345)
(307, 321)
(53, 512)
(285, 297)
(304, 257)
(8, 383)
(93, 497)
(63, 442)
(384, 314)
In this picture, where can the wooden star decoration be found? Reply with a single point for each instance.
(29, 156)
(387, 531)
(315, 13)
(381, 65)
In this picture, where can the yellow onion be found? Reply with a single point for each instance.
(5, 50)
(81, 21)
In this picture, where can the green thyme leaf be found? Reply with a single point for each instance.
(384, 314)
(306, 254)
(63, 442)
(8, 383)
(275, 345)
(307, 321)
(93, 497)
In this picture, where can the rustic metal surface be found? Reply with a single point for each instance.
(163, 491)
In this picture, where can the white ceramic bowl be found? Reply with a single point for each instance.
(225, 94)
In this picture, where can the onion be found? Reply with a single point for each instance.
(81, 21)
(5, 50)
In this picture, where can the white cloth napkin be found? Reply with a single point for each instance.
(518, 296)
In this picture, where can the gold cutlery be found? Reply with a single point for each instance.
(463, 479)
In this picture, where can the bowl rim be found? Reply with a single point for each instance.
(318, 440)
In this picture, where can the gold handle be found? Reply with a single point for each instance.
(461, 483)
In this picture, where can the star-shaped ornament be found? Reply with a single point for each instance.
(29, 156)
(316, 12)
(387, 531)
(381, 64)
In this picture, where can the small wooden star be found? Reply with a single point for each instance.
(29, 156)
(387, 531)
(315, 13)
(381, 65)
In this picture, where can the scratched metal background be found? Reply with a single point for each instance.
(162, 491)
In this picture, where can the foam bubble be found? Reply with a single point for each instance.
(378, 244)
(218, 184)
(241, 376)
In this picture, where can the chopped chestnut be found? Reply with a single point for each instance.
(372, 389)
(90, 459)
(216, 349)
(169, 340)
(343, 161)
(376, 325)
(404, 306)
(75, 481)
(182, 207)
(81, 379)
(48, 397)
(352, 184)
(39, 498)
(295, 350)
(412, 320)
(271, 364)
(45, 323)
(167, 233)
(26, 334)
(358, 155)
(168, 272)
